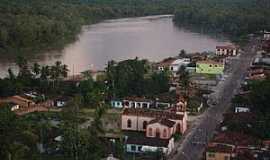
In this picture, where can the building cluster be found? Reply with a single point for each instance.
(232, 144)
(234, 139)
(152, 130)
(206, 69)
(33, 102)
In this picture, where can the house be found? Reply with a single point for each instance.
(21, 101)
(154, 129)
(229, 50)
(238, 109)
(61, 101)
(236, 139)
(140, 144)
(209, 67)
(138, 119)
(266, 35)
(11, 105)
(165, 64)
(115, 103)
(14, 106)
(256, 73)
(137, 102)
(241, 107)
(219, 152)
(173, 64)
(176, 64)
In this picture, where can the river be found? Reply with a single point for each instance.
(152, 37)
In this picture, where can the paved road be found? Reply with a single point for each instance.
(194, 143)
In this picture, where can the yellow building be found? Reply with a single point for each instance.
(219, 152)
(209, 67)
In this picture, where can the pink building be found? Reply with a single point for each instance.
(152, 120)
(154, 129)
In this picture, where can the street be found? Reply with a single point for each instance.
(195, 141)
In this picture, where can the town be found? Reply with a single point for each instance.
(191, 106)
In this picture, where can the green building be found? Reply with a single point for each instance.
(209, 67)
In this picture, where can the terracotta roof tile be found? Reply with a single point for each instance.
(219, 148)
(148, 141)
(163, 121)
(235, 138)
(152, 113)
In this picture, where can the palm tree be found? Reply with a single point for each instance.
(44, 72)
(64, 70)
(184, 80)
(36, 69)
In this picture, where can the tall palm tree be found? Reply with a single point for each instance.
(184, 80)
(36, 69)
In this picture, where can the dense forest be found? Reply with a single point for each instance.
(28, 26)
(34, 25)
(235, 18)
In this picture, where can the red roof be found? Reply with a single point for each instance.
(235, 138)
(240, 117)
(219, 148)
(152, 113)
(166, 62)
(226, 47)
(137, 99)
(163, 121)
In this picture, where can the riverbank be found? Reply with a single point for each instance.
(152, 37)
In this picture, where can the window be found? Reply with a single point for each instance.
(211, 155)
(129, 123)
(133, 105)
(157, 132)
(133, 148)
(215, 65)
(171, 68)
(144, 105)
(118, 103)
(165, 133)
(210, 65)
(150, 132)
(139, 104)
(140, 148)
(144, 124)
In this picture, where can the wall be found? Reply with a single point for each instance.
(117, 104)
(155, 126)
(209, 68)
(218, 156)
(137, 123)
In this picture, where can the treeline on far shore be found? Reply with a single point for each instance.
(235, 18)
(29, 26)
(35, 25)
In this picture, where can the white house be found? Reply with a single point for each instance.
(61, 101)
(266, 35)
(137, 102)
(229, 50)
(117, 103)
(14, 106)
(141, 144)
(176, 64)
(241, 109)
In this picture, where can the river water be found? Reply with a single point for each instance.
(152, 37)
